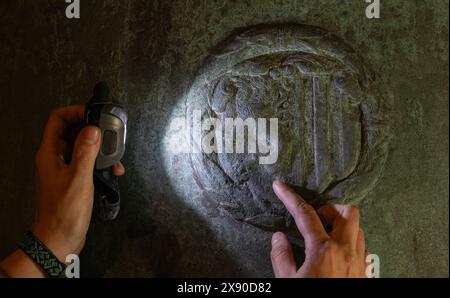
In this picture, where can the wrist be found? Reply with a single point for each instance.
(59, 243)
(20, 265)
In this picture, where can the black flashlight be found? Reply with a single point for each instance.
(111, 117)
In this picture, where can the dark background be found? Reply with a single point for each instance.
(149, 51)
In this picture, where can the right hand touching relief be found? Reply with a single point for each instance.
(340, 253)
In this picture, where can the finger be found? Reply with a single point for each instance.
(62, 150)
(118, 169)
(328, 214)
(306, 218)
(87, 146)
(345, 222)
(283, 262)
(361, 244)
(59, 121)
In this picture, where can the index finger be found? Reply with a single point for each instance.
(58, 123)
(306, 218)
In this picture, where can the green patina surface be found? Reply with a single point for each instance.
(149, 51)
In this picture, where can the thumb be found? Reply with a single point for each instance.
(283, 262)
(85, 151)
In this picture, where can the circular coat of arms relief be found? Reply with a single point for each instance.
(333, 133)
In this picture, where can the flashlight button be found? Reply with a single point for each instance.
(109, 144)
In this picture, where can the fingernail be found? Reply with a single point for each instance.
(277, 183)
(90, 135)
(276, 237)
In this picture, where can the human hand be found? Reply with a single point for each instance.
(340, 253)
(65, 187)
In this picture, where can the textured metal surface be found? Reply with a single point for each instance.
(149, 52)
